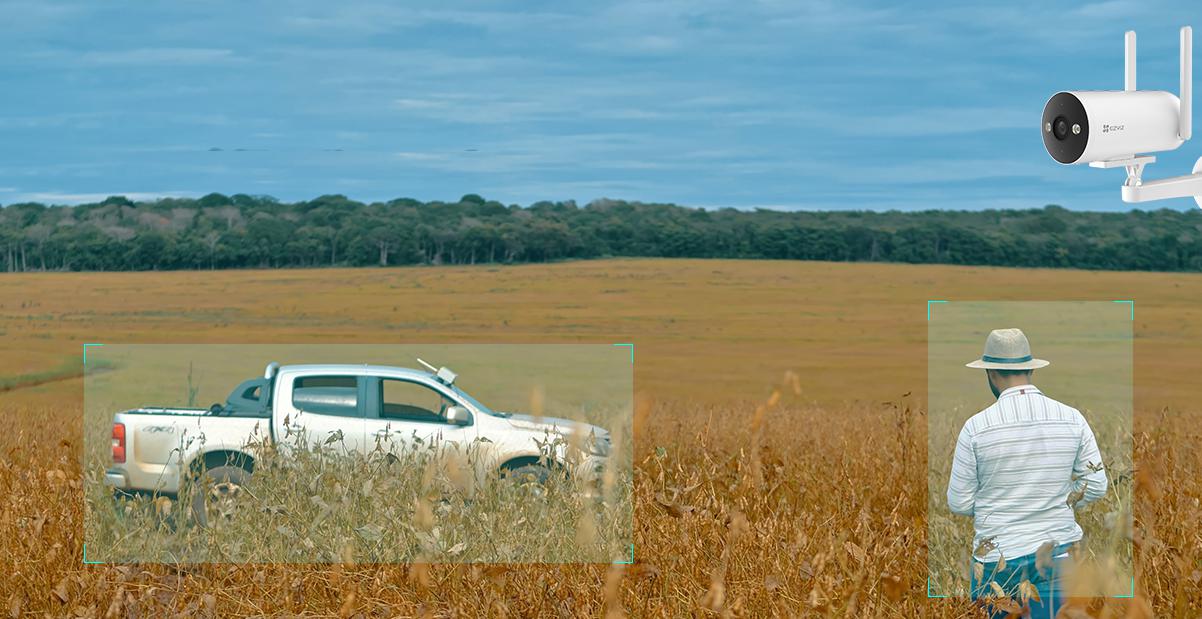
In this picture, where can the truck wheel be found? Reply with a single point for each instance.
(528, 474)
(218, 493)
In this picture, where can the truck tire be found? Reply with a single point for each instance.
(533, 473)
(217, 492)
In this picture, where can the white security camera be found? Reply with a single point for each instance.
(1100, 125)
(1118, 128)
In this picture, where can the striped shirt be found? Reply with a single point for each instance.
(1014, 469)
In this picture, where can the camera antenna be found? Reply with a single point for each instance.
(1135, 189)
(1129, 61)
(1185, 122)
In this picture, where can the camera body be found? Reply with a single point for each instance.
(1101, 125)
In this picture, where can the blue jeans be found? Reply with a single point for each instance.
(1048, 582)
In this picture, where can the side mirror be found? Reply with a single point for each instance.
(460, 416)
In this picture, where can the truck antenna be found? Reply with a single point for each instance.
(443, 374)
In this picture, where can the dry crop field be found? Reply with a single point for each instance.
(780, 452)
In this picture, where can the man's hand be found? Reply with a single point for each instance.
(1076, 495)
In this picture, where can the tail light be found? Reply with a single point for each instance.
(118, 443)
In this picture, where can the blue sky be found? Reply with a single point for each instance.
(777, 104)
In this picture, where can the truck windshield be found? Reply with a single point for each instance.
(474, 402)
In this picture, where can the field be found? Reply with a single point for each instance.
(780, 432)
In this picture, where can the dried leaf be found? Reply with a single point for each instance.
(60, 591)
(986, 546)
(370, 532)
(1008, 605)
(676, 510)
(1027, 591)
(855, 551)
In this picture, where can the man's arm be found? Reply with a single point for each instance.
(962, 487)
(1088, 471)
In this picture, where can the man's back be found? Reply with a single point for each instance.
(1013, 472)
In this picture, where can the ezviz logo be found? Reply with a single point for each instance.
(1112, 128)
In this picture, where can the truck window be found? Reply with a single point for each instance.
(326, 395)
(400, 399)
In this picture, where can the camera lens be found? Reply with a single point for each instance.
(1065, 127)
(1060, 128)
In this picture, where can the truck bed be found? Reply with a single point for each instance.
(157, 438)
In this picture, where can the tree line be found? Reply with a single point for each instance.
(244, 231)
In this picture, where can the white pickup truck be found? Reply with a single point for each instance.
(155, 450)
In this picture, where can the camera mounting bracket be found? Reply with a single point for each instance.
(1135, 189)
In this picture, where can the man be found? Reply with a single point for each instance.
(1020, 468)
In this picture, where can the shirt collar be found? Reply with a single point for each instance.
(1018, 390)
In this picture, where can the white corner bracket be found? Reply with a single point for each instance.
(1135, 188)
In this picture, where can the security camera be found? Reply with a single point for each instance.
(1118, 128)
(1100, 125)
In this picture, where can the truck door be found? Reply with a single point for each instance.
(325, 409)
(404, 414)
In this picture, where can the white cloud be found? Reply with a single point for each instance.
(158, 56)
(363, 18)
(418, 156)
(931, 121)
(74, 120)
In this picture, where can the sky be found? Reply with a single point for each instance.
(779, 104)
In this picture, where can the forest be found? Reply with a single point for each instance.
(243, 231)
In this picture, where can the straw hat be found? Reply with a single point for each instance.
(1007, 349)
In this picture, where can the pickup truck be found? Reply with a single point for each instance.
(158, 450)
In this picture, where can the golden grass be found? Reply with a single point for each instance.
(814, 505)
(394, 505)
